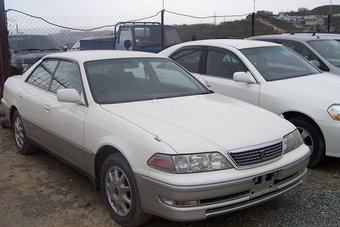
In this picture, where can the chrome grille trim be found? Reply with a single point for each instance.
(256, 155)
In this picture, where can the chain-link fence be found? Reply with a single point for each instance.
(67, 30)
(70, 31)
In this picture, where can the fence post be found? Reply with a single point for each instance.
(253, 24)
(4, 49)
(329, 22)
(162, 28)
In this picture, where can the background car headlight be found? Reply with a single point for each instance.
(192, 163)
(292, 141)
(334, 111)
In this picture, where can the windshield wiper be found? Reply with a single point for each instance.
(34, 49)
(52, 49)
(23, 50)
(152, 45)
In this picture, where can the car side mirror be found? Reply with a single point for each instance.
(68, 95)
(243, 77)
(127, 44)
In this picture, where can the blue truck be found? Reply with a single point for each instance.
(135, 36)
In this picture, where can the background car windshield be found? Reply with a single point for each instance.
(329, 49)
(277, 63)
(34, 42)
(127, 80)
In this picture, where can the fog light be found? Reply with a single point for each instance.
(189, 203)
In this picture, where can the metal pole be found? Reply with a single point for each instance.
(254, 6)
(329, 16)
(253, 22)
(162, 29)
(4, 49)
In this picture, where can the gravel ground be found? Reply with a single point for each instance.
(39, 190)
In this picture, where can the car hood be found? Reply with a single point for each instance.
(325, 86)
(204, 123)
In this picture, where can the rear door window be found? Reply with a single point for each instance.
(189, 59)
(42, 75)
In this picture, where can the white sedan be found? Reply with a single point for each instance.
(273, 77)
(154, 139)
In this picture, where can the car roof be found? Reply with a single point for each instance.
(236, 43)
(319, 35)
(90, 55)
(296, 37)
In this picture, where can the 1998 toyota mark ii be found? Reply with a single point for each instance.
(153, 138)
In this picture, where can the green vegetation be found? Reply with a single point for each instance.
(234, 29)
(243, 28)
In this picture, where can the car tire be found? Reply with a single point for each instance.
(20, 138)
(312, 137)
(120, 192)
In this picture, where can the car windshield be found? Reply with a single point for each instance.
(329, 49)
(32, 42)
(128, 80)
(278, 63)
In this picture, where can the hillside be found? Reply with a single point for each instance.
(321, 10)
(234, 29)
(243, 28)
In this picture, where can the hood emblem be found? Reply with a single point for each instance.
(263, 154)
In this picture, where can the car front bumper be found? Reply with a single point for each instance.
(331, 132)
(5, 122)
(220, 198)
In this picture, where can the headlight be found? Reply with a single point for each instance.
(291, 141)
(334, 111)
(192, 163)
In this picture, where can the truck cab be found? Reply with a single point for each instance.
(145, 36)
(135, 36)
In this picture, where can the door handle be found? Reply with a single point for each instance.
(47, 109)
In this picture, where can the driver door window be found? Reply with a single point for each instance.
(66, 76)
(223, 64)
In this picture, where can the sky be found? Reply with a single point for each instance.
(199, 8)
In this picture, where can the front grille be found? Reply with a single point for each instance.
(257, 154)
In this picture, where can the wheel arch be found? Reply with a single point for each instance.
(11, 113)
(101, 156)
(291, 114)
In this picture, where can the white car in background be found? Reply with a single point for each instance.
(321, 49)
(154, 139)
(273, 77)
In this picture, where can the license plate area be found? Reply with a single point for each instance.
(263, 184)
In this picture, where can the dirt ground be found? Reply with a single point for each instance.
(39, 190)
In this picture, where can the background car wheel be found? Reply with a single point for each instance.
(312, 137)
(20, 138)
(120, 192)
